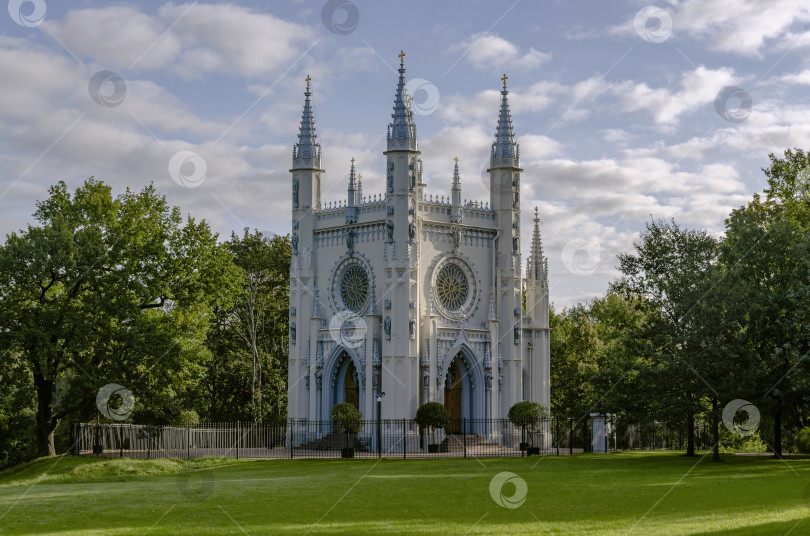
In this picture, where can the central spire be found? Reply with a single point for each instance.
(307, 152)
(504, 145)
(402, 130)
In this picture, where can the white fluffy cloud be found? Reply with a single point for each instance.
(188, 39)
(488, 51)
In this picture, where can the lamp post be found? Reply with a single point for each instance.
(379, 424)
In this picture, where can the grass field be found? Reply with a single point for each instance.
(633, 493)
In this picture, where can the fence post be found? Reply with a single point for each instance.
(557, 426)
(292, 437)
(404, 441)
(464, 435)
(188, 441)
(570, 436)
(238, 426)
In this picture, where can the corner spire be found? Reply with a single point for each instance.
(402, 128)
(537, 266)
(504, 146)
(456, 211)
(351, 202)
(307, 152)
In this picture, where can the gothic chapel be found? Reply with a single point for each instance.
(411, 294)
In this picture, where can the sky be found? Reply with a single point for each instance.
(624, 111)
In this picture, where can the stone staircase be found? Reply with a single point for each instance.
(454, 443)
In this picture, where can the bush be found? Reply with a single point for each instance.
(431, 415)
(801, 441)
(346, 418)
(188, 418)
(526, 413)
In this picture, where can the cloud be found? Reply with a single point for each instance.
(187, 39)
(488, 51)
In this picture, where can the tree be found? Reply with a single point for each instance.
(109, 289)
(346, 418)
(247, 377)
(671, 269)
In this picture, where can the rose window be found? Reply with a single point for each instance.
(354, 288)
(452, 287)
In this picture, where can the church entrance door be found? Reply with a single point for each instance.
(350, 388)
(452, 399)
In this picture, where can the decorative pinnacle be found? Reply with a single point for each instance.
(401, 58)
(536, 214)
(308, 79)
(505, 78)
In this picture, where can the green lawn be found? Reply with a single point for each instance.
(638, 493)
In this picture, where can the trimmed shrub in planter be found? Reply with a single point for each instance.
(526, 415)
(431, 416)
(346, 418)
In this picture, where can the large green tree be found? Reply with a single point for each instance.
(672, 269)
(107, 289)
(247, 378)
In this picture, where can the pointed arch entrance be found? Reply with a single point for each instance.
(458, 394)
(347, 382)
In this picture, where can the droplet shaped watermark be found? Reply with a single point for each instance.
(107, 88)
(340, 16)
(348, 329)
(27, 13)
(653, 24)
(188, 169)
(425, 95)
(499, 482)
(581, 257)
(747, 428)
(733, 104)
(106, 397)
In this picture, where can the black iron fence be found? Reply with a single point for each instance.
(397, 438)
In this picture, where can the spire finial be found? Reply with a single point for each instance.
(536, 214)
(456, 160)
(505, 78)
(401, 58)
(308, 80)
(352, 161)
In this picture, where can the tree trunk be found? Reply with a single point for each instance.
(777, 432)
(715, 433)
(690, 434)
(46, 424)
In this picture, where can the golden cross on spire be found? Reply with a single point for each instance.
(402, 57)
(505, 78)
(308, 79)
(352, 161)
(456, 159)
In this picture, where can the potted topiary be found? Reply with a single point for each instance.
(527, 415)
(431, 416)
(347, 419)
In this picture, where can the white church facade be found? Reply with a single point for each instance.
(413, 294)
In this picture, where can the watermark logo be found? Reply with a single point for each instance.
(107, 88)
(518, 496)
(27, 13)
(340, 16)
(115, 401)
(502, 183)
(581, 257)
(187, 169)
(733, 104)
(348, 329)
(747, 428)
(425, 95)
(653, 24)
(195, 486)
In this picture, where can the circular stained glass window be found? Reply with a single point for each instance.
(354, 288)
(452, 287)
